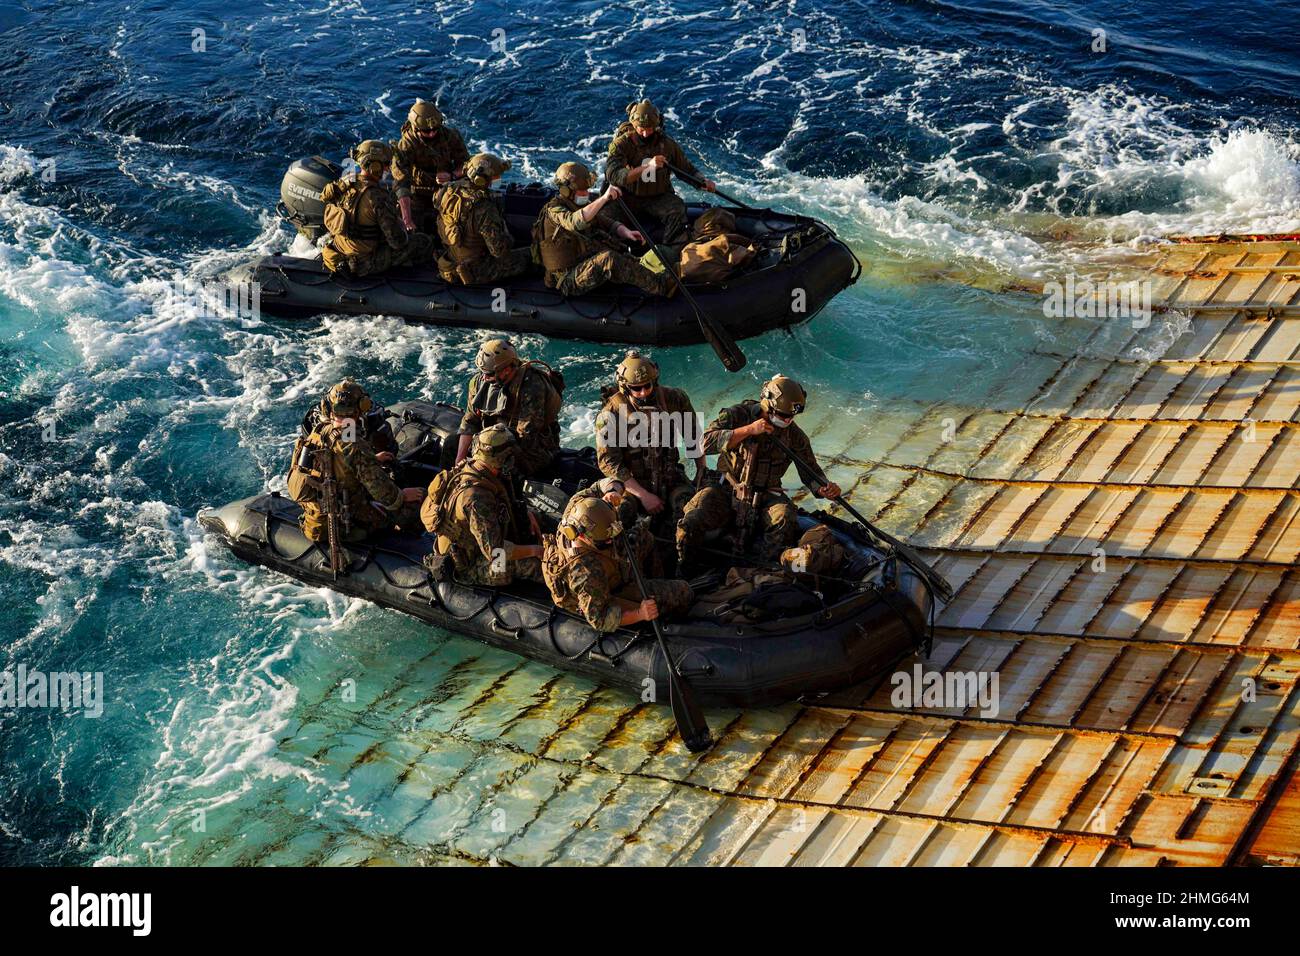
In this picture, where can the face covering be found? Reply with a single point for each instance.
(780, 422)
(582, 198)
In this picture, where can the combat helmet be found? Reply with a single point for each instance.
(425, 117)
(494, 446)
(593, 517)
(482, 168)
(372, 151)
(573, 177)
(347, 399)
(644, 114)
(636, 370)
(783, 397)
(495, 355)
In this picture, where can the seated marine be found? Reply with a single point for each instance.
(522, 396)
(361, 214)
(429, 154)
(638, 164)
(588, 574)
(473, 230)
(366, 496)
(751, 464)
(576, 240)
(478, 519)
(638, 430)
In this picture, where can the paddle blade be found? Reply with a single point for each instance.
(728, 353)
(691, 723)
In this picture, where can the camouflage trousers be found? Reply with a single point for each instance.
(479, 572)
(667, 209)
(609, 266)
(516, 262)
(714, 508)
(673, 596)
(362, 522)
(419, 251)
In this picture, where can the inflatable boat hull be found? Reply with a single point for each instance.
(855, 635)
(803, 266)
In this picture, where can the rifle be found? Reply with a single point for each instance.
(331, 502)
(746, 499)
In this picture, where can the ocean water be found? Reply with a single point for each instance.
(968, 151)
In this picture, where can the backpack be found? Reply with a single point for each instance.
(435, 502)
(341, 210)
(754, 595)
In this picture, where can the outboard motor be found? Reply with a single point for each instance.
(300, 202)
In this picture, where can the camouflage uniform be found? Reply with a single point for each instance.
(416, 165)
(376, 239)
(654, 196)
(531, 411)
(369, 498)
(599, 586)
(577, 254)
(476, 237)
(477, 526)
(656, 464)
(714, 507)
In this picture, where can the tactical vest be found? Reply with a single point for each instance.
(557, 248)
(652, 465)
(492, 409)
(341, 214)
(304, 477)
(636, 152)
(422, 162)
(557, 558)
(456, 226)
(769, 461)
(445, 509)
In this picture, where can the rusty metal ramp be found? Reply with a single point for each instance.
(1123, 552)
(1122, 543)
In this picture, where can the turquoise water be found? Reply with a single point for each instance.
(966, 151)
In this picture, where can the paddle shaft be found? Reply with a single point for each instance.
(698, 183)
(686, 710)
(721, 341)
(936, 581)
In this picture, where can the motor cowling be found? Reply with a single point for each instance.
(300, 203)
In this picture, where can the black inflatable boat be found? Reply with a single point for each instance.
(876, 612)
(802, 266)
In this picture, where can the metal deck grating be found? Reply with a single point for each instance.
(1122, 736)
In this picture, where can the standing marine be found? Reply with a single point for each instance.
(473, 229)
(524, 396)
(429, 154)
(638, 431)
(638, 164)
(586, 569)
(361, 214)
(751, 465)
(577, 241)
(337, 476)
(478, 519)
